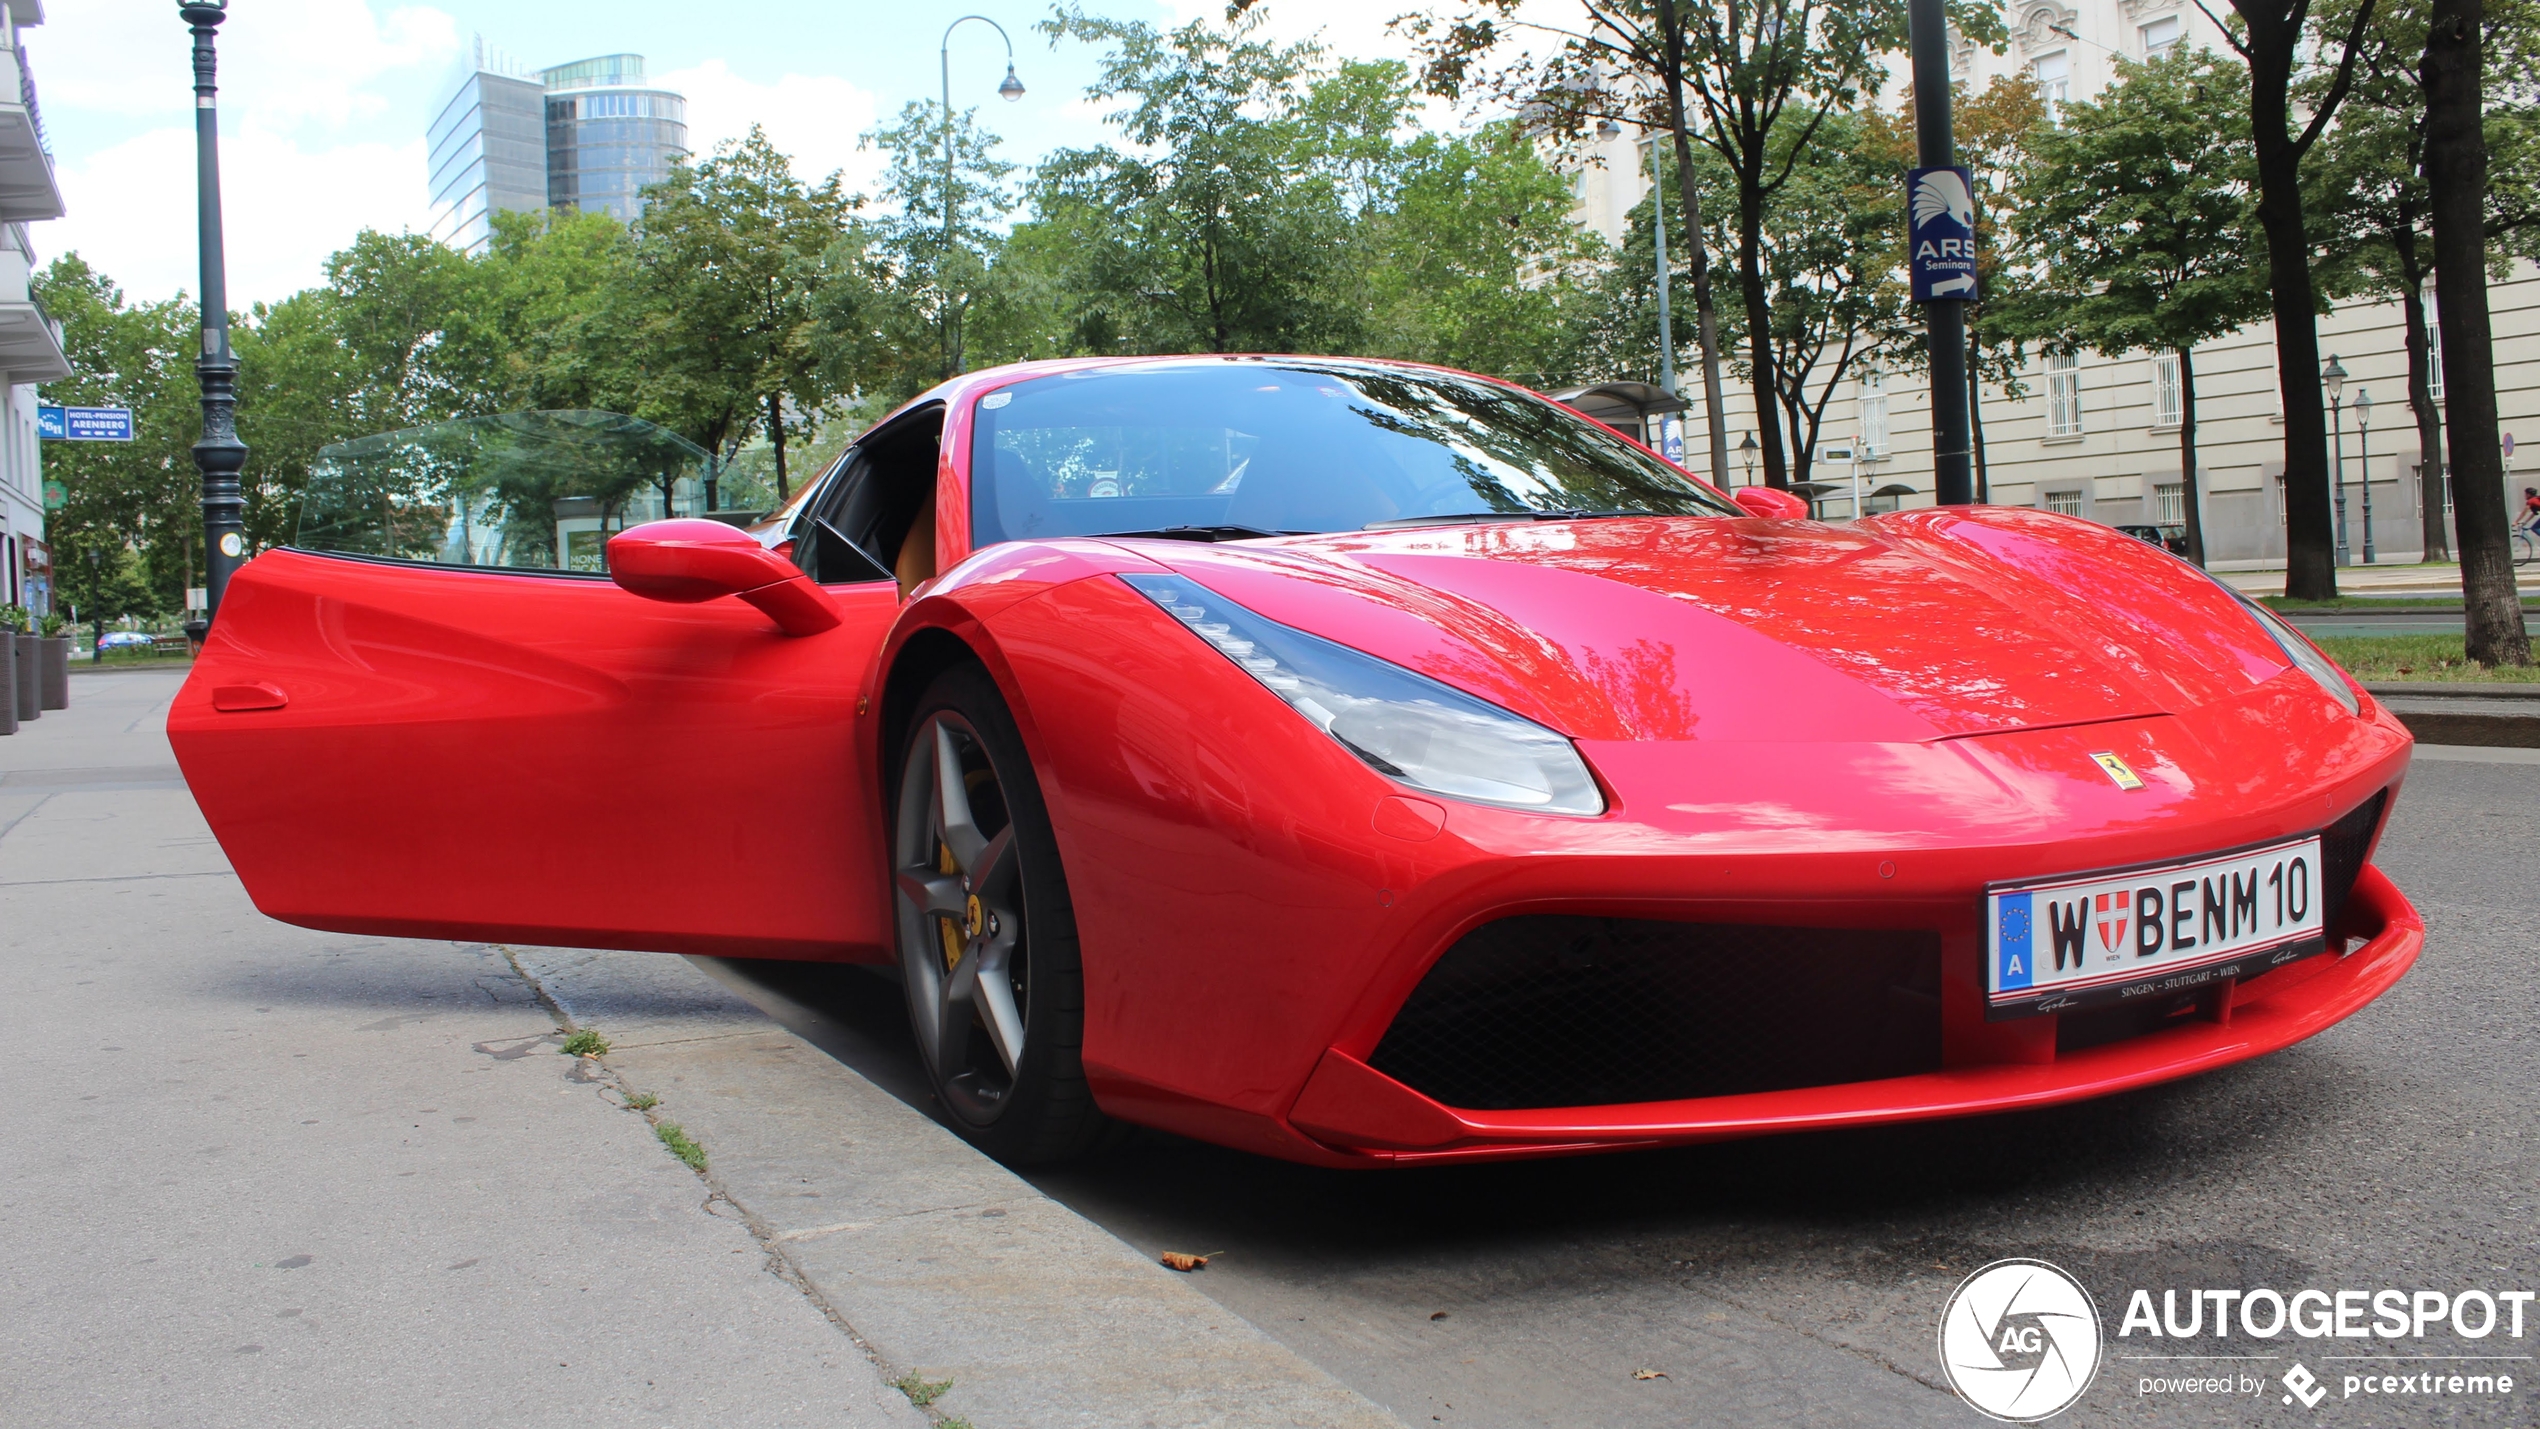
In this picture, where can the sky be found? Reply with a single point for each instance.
(323, 103)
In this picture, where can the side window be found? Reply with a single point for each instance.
(881, 503)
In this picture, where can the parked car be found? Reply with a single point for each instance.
(2172, 539)
(1354, 762)
(124, 639)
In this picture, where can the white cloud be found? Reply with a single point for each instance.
(308, 89)
(813, 119)
(284, 209)
(282, 62)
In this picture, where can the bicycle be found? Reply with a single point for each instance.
(2526, 543)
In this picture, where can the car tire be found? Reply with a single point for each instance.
(985, 931)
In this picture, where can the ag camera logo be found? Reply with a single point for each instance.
(2020, 1341)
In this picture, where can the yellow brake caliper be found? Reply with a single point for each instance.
(947, 929)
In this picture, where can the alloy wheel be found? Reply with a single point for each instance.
(959, 892)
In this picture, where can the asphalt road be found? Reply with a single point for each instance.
(2381, 622)
(1799, 1280)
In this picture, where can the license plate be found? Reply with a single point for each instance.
(2097, 939)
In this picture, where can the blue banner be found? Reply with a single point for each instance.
(1941, 209)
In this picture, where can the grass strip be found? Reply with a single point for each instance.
(2440, 658)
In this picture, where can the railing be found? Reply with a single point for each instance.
(34, 112)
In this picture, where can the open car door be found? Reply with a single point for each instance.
(544, 756)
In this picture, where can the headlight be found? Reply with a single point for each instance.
(2303, 654)
(1406, 726)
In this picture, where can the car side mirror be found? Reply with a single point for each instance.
(1770, 501)
(687, 562)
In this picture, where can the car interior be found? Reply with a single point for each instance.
(876, 520)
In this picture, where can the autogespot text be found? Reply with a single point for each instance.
(2487, 1327)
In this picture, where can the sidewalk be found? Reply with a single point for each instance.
(2440, 578)
(262, 1176)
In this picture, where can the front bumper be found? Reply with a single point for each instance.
(1359, 1113)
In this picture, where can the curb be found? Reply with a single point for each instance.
(962, 1282)
(2497, 716)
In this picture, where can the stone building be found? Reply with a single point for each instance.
(2099, 436)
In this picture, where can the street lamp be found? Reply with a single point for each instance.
(219, 456)
(1009, 91)
(2363, 458)
(2333, 377)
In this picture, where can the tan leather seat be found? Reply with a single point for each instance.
(916, 561)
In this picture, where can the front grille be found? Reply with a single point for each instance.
(1555, 1011)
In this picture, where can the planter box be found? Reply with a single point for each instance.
(30, 678)
(55, 672)
(8, 688)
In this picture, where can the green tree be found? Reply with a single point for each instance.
(393, 300)
(1764, 78)
(535, 330)
(2372, 166)
(1217, 228)
(717, 304)
(2454, 74)
(129, 540)
(938, 240)
(1472, 259)
(1831, 256)
(2283, 44)
(2138, 206)
(300, 387)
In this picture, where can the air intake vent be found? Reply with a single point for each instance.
(1571, 1011)
(2343, 848)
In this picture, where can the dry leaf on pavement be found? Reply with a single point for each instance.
(1649, 1374)
(1185, 1261)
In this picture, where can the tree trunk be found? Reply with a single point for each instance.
(776, 435)
(2456, 181)
(1759, 329)
(2438, 535)
(2189, 498)
(2310, 539)
(1706, 313)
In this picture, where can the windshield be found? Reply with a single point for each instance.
(1293, 447)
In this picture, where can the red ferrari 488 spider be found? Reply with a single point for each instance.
(1351, 762)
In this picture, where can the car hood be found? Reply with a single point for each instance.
(1923, 625)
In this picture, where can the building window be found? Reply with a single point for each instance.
(2063, 394)
(2169, 503)
(2066, 503)
(2160, 37)
(2433, 346)
(1873, 413)
(2054, 73)
(2168, 399)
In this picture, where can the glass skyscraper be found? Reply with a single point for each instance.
(609, 134)
(584, 136)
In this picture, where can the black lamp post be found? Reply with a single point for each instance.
(219, 456)
(1010, 90)
(2363, 458)
(1746, 448)
(1944, 320)
(2333, 377)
